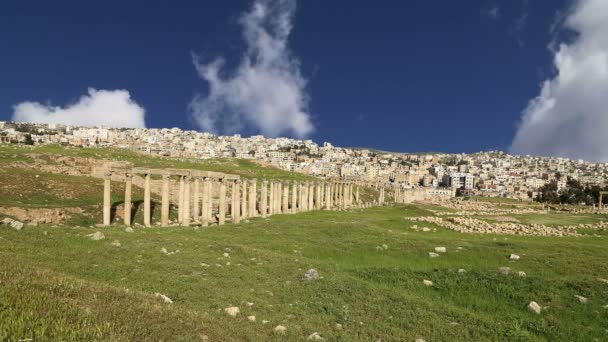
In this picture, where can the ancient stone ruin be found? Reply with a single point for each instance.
(206, 197)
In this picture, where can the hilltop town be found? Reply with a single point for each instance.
(491, 173)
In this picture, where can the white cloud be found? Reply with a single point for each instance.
(570, 116)
(113, 108)
(266, 92)
(494, 12)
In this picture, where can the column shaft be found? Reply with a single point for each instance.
(164, 211)
(196, 214)
(127, 204)
(222, 205)
(187, 213)
(234, 208)
(147, 200)
(252, 197)
(107, 200)
(264, 199)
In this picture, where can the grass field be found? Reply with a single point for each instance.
(56, 284)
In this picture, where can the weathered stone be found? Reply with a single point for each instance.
(433, 254)
(315, 336)
(427, 282)
(232, 311)
(251, 318)
(164, 298)
(280, 329)
(534, 307)
(115, 243)
(462, 270)
(129, 230)
(581, 299)
(440, 249)
(514, 257)
(311, 275)
(96, 236)
(521, 274)
(16, 225)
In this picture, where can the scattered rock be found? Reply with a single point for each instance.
(129, 230)
(427, 282)
(96, 236)
(338, 326)
(280, 329)
(164, 250)
(384, 246)
(251, 318)
(16, 225)
(581, 299)
(534, 307)
(433, 255)
(165, 299)
(504, 270)
(249, 304)
(115, 243)
(420, 340)
(232, 311)
(522, 274)
(462, 270)
(514, 257)
(440, 249)
(605, 281)
(311, 275)
(265, 321)
(315, 336)
(226, 255)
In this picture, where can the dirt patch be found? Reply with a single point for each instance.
(40, 215)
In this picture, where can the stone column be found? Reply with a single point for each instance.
(271, 193)
(107, 199)
(294, 196)
(147, 211)
(358, 199)
(253, 194)
(180, 200)
(222, 205)
(264, 198)
(127, 204)
(244, 208)
(187, 212)
(164, 210)
(311, 196)
(345, 196)
(285, 203)
(303, 196)
(235, 206)
(318, 195)
(196, 201)
(205, 205)
(328, 196)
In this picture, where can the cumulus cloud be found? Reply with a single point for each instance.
(266, 92)
(570, 116)
(113, 108)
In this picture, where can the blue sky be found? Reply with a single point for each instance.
(394, 75)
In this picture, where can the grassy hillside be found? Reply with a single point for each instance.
(58, 284)
(245, 168)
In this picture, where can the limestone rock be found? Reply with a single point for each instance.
(581, 299)
(96, 236)
(462, 270)
(433, 255)
(232, 311)
(311, 275)
(338, 326)
(514, 257)
(164, 298)
(115, 243)
(504, 270)
(251, 318)
(427, 282)
(129, 230)
(440, 249)
(315, 336)
(534, 307)
(280, 329)
(521, 274)
(16, 225)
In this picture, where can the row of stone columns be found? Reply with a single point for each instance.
(196, 205)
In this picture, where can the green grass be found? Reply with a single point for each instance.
(561, 219)
(245, 168)
(61, 285)
(493, 199)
